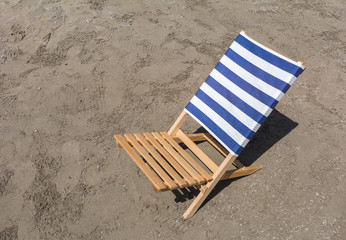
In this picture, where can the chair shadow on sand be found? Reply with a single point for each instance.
(276, 127)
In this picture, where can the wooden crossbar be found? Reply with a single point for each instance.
(196, 137)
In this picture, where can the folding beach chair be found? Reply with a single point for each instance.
(233, 102)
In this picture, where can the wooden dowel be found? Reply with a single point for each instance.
(177, 124)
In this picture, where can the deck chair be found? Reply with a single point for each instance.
(232, 103)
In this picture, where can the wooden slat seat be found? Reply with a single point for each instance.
(167, 165)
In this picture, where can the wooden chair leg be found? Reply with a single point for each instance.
(205, 191)
(177, 124)
(241, 172)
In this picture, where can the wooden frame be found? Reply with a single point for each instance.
(168, 166)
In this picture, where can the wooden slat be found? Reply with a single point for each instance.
(197, 151)
(196, 137)
(179, 159)
(186, 155)
(167, 180)
(155, 180)
(177, 179)
(189, 180)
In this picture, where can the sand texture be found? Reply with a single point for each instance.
(73, 73)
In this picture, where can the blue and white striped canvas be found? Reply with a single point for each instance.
(241, 91)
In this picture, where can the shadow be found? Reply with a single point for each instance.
(184, 194)
(276, 127)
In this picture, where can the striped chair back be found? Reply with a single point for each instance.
(241, 91)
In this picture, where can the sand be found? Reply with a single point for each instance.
(73, 73)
